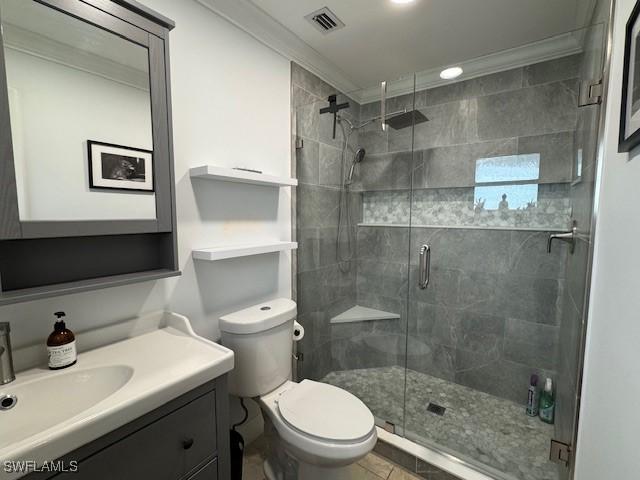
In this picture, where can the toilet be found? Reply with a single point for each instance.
(320, 430)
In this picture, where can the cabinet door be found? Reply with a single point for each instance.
(208, 472)
(167, 449)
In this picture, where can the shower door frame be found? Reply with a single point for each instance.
(582, 337)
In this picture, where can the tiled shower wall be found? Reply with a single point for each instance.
(491, 314)
(323, 288)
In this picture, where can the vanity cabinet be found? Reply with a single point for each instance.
(87, 190)
(186, 439)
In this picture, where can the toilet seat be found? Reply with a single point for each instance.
(325, 412)
(311, 448)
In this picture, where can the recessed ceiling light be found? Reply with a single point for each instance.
(451, 73)
(402, 1)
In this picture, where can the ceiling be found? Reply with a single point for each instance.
(384, 41)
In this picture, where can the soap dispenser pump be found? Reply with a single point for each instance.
(61, 345)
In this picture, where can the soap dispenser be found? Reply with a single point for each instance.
(61, 345)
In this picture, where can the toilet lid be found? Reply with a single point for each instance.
(325, 411)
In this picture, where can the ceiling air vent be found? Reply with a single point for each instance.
(324, 20)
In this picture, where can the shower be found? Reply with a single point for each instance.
(397, 121)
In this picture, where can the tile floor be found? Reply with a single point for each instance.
(372, 467)
(476, 426)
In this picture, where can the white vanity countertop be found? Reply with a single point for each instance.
(59, 411)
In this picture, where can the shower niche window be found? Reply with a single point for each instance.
(507, 182)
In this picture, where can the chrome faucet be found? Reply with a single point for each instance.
(7, 373)
(569, 237)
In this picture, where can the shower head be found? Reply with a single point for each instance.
(357, 158)
(406, 119)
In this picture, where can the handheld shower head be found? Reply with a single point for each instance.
(357, 158)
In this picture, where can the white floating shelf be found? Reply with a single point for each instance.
(213, 172)
(363, 314)
(244, 250)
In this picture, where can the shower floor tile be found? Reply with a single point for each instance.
(475, 426)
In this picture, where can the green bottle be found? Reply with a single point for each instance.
(547, 403)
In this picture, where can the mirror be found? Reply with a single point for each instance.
(80, 108)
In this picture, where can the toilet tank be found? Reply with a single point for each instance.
(261, 338)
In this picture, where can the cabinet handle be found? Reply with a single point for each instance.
(187, 444)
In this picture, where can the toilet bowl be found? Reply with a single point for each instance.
(319, 424)
(322, 429)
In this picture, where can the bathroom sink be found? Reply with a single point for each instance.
(133, 368)
(50, 400)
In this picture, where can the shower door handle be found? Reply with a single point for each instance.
(383, 105)
(425, 266)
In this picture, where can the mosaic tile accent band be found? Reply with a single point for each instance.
(460, 207)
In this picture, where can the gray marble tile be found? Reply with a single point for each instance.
(330, 164)
(481, 333)
(325, 130)
(480, 292)
(531, 344)
(383, 243)
(449, 124)
(373, 139)
(307, 159)
(536, 110)
(319, 288)
(467, 250)
(301, 97)
(443, 288)
(495, 376)
(553, 70)
(307, 121)
(476, 87)
(310, 82)
(532, 299)
(317, 206)
(528, 255)
(556, 155)
(316, 364)
(455, 166)
(308, 249)
(389, 171)
(431, 358)
(383, 278)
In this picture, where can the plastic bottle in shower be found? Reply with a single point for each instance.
(533, 397)
(547, 403)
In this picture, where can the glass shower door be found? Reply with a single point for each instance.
(504, 161)
(352, 227)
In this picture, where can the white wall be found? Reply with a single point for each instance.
(230, 99)
(610, 414)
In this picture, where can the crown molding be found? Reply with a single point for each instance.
(260, 25)
(32, 43)
(550, 49)
(264, 28)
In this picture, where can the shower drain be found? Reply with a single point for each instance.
(7, 402)
(437, 409)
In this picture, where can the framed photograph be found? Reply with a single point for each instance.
(117, 167)
(630, 111)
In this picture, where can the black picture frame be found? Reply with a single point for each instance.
(98, 181)
(628, 141)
